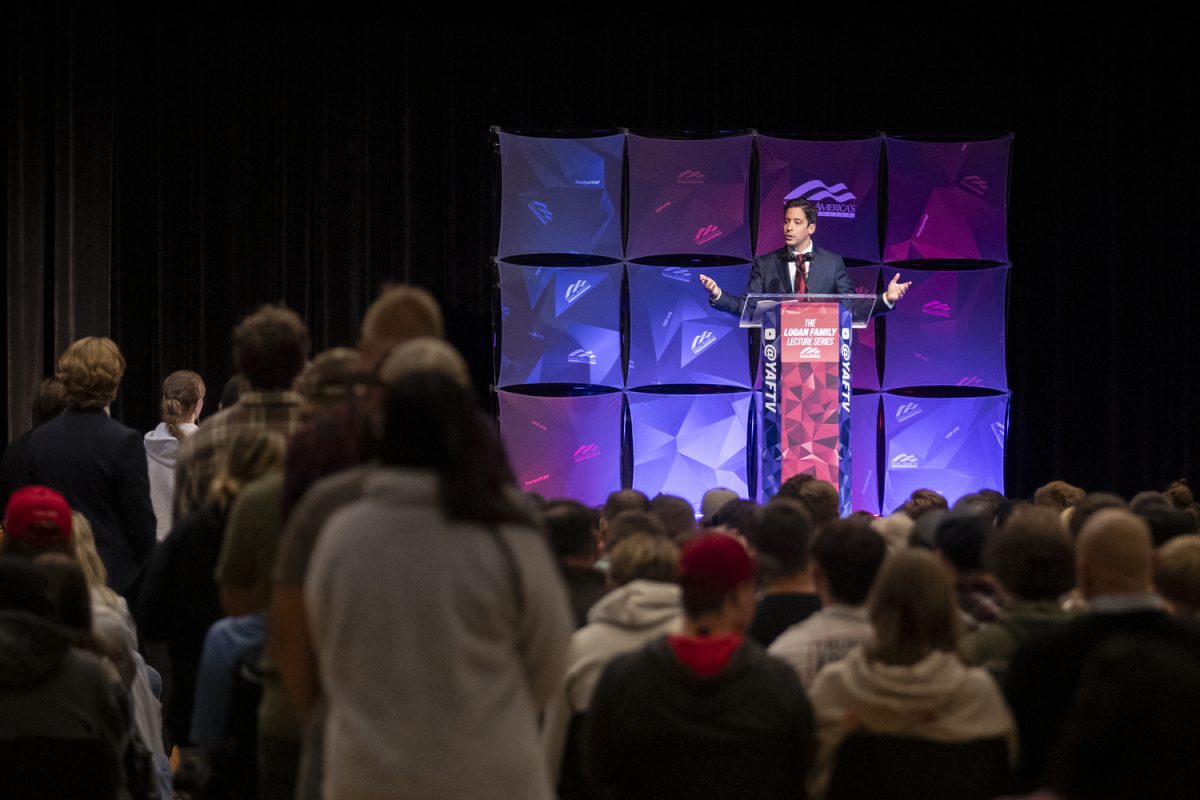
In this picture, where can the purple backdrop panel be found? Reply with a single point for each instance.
(561, 195)
(864, 465)
(686, 444)
(841, 178)
(564, 446)
(864, 372)
(675, 336)
(948, 331)
(561, 325)
(947, 200)
(951, 445)
(689, 196)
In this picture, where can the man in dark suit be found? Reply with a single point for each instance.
(779, 272)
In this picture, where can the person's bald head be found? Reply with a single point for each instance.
(1114, 554)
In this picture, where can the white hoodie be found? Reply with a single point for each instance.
(162, 449)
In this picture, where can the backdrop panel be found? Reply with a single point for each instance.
(689, 197)
(687, 444)
(841, 178)
(560, 325)
(947, 199)
(948, 331)
(561, 195)
(951, 445)
(564, 446)
(675, 336)
(864, 462)
(864, 369)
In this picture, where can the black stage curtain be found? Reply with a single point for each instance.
(169, 172)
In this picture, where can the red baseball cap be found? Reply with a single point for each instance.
(715, 560)
(38, 515)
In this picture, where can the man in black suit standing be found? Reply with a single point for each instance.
(799, 267)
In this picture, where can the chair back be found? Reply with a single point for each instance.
(872, 765)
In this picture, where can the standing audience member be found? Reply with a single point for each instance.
(179, 601)
(573, 540)
(908, 681)
(97, 463)
(1114, 570)
(781, 539)
(182, 400)
(1032, 558)
(433, 598)
(269, 349)
(846, 557)
(704, 713)
(49, 401)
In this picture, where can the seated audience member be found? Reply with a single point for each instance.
(821, 500)
(1165, 520)
(1113, 567)
(1177, 575)
(55, 680)
(737, 516)
(182, 401)
(575, 546)
(781, 540)
(49, 401)
(712, 502)
(269, 348)
(961, 537)
(846, 557)
(643, 605)
(987, 502)
(433, 598)
(677, 515)
(921, 502)
(1130, 732)
(619, 502)
(704, 713)
(1032, 558)
(1058, 496)
(631, 523)
(908, 681)
(179, 600)
(97, 463)
(1090, 504)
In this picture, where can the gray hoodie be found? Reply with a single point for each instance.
(162, 449)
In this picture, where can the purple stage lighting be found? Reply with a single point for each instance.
(864, 372)
(864, 465)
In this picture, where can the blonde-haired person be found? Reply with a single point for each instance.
(179, 601)
(97, 463)
(182, 400)
(909, 680)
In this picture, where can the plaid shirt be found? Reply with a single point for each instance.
(201, 453)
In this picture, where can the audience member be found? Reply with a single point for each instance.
(677, 515)
(908, 681)
(961, 537)
(846, 557)
(630, 523)
(737, 516)
(712, 502)
(921, 502)
(425, 625)
(269, 349)
(1058, 496)
(1177, 575)
(821, 500)
(49, 401)
(97, 463)
(780, 539)
(575, 545)
(182, 400)
(704, 713)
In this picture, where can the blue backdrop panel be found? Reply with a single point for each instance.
(947, 200)
(864, 465)
(675, 336)
(948, 331)
(690, 443)
(561, 195)
(864, 371)
(841, 178)
(689, 196)
(564, 446)
(560, 325)
(954, 446)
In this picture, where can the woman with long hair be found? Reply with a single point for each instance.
(182, 401)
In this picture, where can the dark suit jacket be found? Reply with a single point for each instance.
(100, 467)
(769, 275)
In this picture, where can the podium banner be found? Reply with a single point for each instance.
(806, 396)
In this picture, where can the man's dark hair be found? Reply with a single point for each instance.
(676, 514)
(1032, 556)
(49, 401)
(810, 210)
(849, 555)
(961, 538)
(985, 501)
(792, 486)
(269, 348)
(921, 502)
(569, 525)
(781, 535)
(625, 500)
(740, 515)
(822, 501)
(1180, 494)
(1058, 495)
(1090, 504)
(627, 523)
